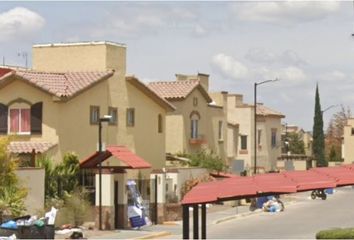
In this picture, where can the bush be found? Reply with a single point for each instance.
(76, 209)
(340, 233)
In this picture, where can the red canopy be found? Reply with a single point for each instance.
(122, 153)
(271, 183)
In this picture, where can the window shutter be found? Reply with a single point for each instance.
(3, 118)
(36, 118)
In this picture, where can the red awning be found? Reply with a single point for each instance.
(271, 183)
(274, 183)
(342, 175)
(309, 180)
(122, 153)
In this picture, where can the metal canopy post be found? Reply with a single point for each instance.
(195, 222)
(185, 219)
(203, 221)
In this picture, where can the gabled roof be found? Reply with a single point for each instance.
(122, 153)
(150, 93)
(178, 90)
(266, 111)
(62, 85)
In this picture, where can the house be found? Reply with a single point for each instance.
(241, 116)
(198, 122)
(55, 107)
(296, 161)
(348, 142)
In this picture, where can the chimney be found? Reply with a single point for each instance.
(203, 79)
(238, 100)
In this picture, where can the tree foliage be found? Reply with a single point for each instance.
(335, 132)
(205, 159)
(62, 178)
(318, 135)
(12, 194)
(296, 144)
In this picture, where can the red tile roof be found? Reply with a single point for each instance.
(27, 147)
(266, 111)
(122, 153)
(175, 90)
(66, 84)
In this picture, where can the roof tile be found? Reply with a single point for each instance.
(173, 89)
(62, 84)
(27, 147)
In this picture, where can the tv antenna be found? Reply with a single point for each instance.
(25, 56)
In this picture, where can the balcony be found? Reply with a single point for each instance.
(200, 139)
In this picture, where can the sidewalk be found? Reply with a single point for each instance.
(216, 214)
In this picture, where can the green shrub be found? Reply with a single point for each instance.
(76, 209)
(338, 233)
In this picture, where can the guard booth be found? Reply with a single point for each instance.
(115, 166)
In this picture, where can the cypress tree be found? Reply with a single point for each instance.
(318, 135)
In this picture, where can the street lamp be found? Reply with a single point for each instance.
(255, 120)
(326, 109)
(105, 118)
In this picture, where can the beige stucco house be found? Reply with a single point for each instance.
(268, 141)
(348, 142)
(198, 122)
(54, 108)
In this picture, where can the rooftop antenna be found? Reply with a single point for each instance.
(24, 55)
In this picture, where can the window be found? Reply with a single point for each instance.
(194, 128)
(259, 137)
(352, 131)
(195, 101)
(194, 116)
(94, 114)
(130, 117)
(21, 117)
(220, 130)
(20, 120)
(114, 113)
(244, 142)
(159, 124)
(274, 138)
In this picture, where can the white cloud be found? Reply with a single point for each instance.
(19, 22)
(288, 12)
(230, 67)
(288, 75)
(263, 56)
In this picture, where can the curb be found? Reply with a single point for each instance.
(237, 216)
(257, 211)
(154, 235)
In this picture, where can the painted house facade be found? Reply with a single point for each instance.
(198, 122)
(348, 142)
(268, 135)
(55, 107)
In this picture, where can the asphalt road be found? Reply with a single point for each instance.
(299, 221)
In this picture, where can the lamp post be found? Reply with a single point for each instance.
(105, 118)
(326, 109)
(255, 120)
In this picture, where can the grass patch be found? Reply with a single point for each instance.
(338, 233)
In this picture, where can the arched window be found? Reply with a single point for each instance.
(159, 124)
(195, 117)
(19, 118)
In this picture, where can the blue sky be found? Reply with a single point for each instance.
(237, 43)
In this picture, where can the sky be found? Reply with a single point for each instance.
(301, 43)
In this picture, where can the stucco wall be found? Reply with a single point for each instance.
(89, 57)
(33, 180)
(348, 142)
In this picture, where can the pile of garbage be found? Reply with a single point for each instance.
(273, 205)
(29, 227)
